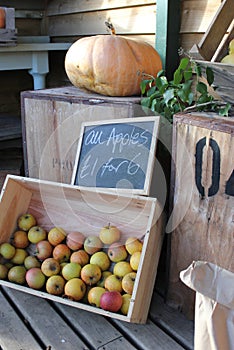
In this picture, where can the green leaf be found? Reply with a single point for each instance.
(183, 63)
(188, 74)
(146, 102)
(177, 77)
(144, 85)
(225, 110)
(202, 88)
(161, 83)
(210, 75)
(198, 71)
(168, 95)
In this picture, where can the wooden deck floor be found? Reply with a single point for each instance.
(32, 323)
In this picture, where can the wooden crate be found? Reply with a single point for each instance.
(202, 191)
(51, 121)
(8, 35)
(70, 207)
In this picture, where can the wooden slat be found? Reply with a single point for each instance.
(196, 15)
(146, 335)
(61, 7)
(46, 323)
(126, 21)
(172, 321)
(13, 331)
(95, 328)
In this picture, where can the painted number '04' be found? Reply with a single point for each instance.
(213, 189)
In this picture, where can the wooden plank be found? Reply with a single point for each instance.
(125, 21)
(98, 331)
(14, 333)
(196, 15)
(147, 336)
(53, 330)
(216, 30)
(172, 321)
(67, 7)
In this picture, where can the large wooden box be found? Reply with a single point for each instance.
(51, 120)
(71, 207)
(202, 190)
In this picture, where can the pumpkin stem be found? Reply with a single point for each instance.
(110, 27)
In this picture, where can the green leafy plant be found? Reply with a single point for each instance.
(187, 91)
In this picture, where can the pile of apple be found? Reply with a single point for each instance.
(98, 269)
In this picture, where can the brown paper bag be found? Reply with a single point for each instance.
(214, 306)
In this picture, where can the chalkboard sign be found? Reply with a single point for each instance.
(117, 154)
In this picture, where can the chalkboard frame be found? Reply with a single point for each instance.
(153, 120)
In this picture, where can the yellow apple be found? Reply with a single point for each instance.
(16, 274)
(133, 245)
(91, 274)
(31, 261)
(75, 289)
(71, 270)
(121, 268)
(61, 253)
(55, 285)
(105, 274)
(26, 221)
(7, 250)
(109, 234)
(36, 234)
(117, 252)
(135, 260)
(3, 271)
(56, 236)
(50, 267)
(20, 255)
(128, 282)
(92, 244)
(101, 259)
(113, 283)
(94, 295)
(126, 302)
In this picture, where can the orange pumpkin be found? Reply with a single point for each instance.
(2, 17)
(110, 64)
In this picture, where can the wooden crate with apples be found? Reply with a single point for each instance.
(86, 210)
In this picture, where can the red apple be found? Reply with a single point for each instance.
(80, 256)
(61, 253)
(109, 234)
(75, 240)
(26, 221)
(111, 301)
(43, 250)
(55, 285)
(56, 235)
(35, 278)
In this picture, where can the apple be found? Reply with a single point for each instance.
(75, 289)
(50, 267)
(3, 272)
(56, 235)
(31, 261)
(61, 252)
(121, 268)
(35, 278)
(20, 239)
(101, 259)
(113, 282)
(36, 234)
(94, 295)
(71, 270)
(43, 250)
(16, 274)
(111, 301)
(80, 256)
(7, 250)
(126, 302)
(117, 252)
(92, 244)
(128, 282)
(20, 255)
(133, 245)
(55, 285)
(135, 260)
(91, 274)
(26, 221)
(109, 234)
(101, 282)
(75, 240)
